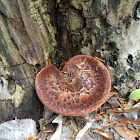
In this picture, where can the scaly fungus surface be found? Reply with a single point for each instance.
(81, 87)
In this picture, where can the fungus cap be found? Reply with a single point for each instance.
(80, 88)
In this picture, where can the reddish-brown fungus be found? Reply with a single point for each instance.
(81, 87)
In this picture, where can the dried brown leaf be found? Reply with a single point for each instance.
(114, 111)
(129, 104)
(137, 122)
(113, 101)
(87, 118)
(123, 130)
(98, 117)
(130, 135)
(113, 94)
(107, 134)
(136, 106)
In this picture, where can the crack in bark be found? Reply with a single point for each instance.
(27, 78)
(18, 65)
(8, 17)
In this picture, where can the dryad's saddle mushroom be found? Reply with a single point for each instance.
(81, 87)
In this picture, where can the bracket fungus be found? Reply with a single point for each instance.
(81, 87)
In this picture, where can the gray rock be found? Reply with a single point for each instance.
(18, 129)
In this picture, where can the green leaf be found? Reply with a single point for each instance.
(44, 128)
(135, 95)
(79, 67)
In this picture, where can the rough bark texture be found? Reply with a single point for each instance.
(33, 31)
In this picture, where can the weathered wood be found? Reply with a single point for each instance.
(33, 31)
(25, 43)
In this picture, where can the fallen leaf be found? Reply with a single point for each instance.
(130, 135)
(132, 115)
(136, 106)
(114, 111)
(98, 117)
(123, 130)
(107, 134)
(137, 122)
(132, 126)
(113, 101)
(129, 108)
(129, 104)
(113, 94)
(135, 95)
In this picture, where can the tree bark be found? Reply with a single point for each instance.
(35, 31)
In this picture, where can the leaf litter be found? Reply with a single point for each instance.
(113, 121)
(121, 121)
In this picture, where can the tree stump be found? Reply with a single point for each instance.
(35, 31)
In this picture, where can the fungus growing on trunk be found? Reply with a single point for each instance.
(81, 87)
